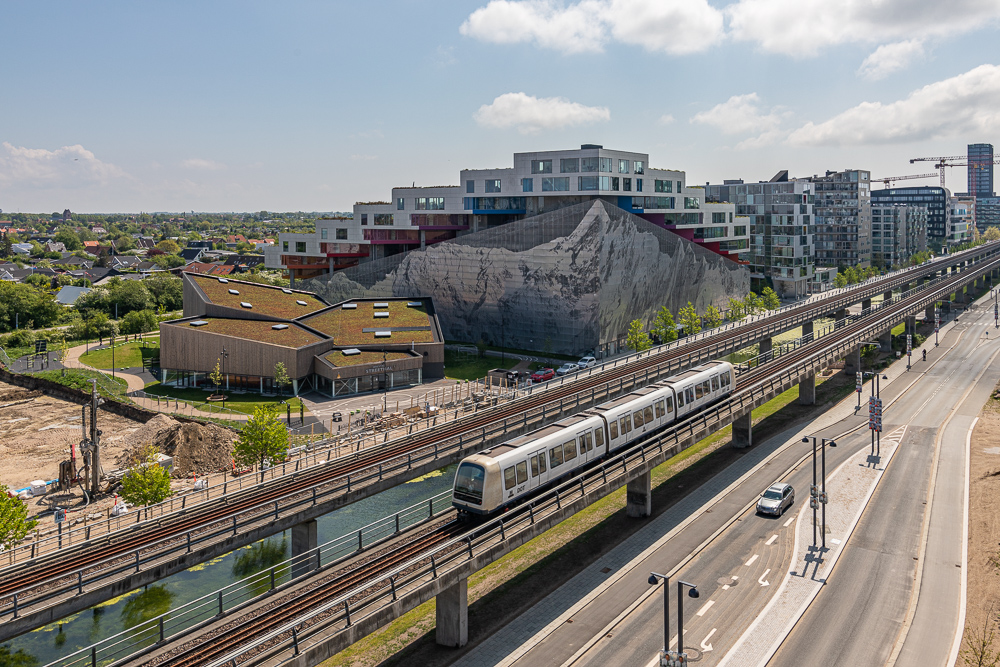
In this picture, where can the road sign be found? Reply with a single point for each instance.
(909, 344)
(860, 381)
(60, 515)
(937, 321)
(875, 414)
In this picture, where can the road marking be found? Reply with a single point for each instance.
(705, 646)
(706, 607)
(788, 523)
(771, 541)
(752, 559)
(762, 581)
(835, 541)
(725, 587)
(735, 577)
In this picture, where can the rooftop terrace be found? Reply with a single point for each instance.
(358, 325)
(264, 299)
(286, 335)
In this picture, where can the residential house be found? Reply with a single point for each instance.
(192, 254)
(68, 295)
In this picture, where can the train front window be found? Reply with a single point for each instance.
(469, 483)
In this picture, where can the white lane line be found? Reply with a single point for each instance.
(762, 581)
(706, 607)
(752, 559)
(705, 646)
(771, 540)
(789, 522)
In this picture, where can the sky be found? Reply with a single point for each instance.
(312, 106)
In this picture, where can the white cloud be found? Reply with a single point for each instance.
(805, 27)
(666, 119)
(967, 104)
(890, 58)
(742, 114)
(66, 167)
(672, 26)
(202, 164)
(531, 114)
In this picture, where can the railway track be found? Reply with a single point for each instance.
(369, 577)
(65, 564)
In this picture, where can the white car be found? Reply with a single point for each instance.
(567, 368)
(587, 362)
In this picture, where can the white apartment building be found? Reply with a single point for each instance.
(415, 217)
(898, 233)
(961, 219)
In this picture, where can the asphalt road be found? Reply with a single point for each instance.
(861, 612)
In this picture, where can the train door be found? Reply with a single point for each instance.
(586, 442)
(538, 468)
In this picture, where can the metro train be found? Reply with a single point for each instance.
(488, 482)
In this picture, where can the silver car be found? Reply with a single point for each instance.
(776, 499)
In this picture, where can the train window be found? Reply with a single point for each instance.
(725, 378)
(647, 413)
(637, 417)
(522, 472)
(659, 409)
(614, 430)
(509, 480)
(689, 395)
(628, 423)
(541, 462)
(599, 436)
(469, 483)
(680, 398)
(555, 457)
(569, 450)
(715, 383)
(670, 404)
(586, 442)
(706, 387)
(698, 391)
(534, 466)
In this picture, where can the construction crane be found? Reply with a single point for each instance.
(889, 180)
(952, 161)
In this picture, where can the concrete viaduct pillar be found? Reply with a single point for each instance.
(841, 315)
(639, 496)
(807, 331)
(807, 390)
(929, 313)
(911, 324)
(743, 431)
(765, 346)
(885, 341)
(304, 543)
(887, 296)
(852, 361)
(866, 304)
(452, 614)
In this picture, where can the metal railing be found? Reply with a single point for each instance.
(227, 599)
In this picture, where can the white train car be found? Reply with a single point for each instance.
(496, 478)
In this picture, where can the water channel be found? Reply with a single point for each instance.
(84, 628)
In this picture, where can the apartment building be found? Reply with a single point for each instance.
(933, 198)
(780, 215)
(898, 233)
(538, 182)
(961, 219)
(980, 170)
(843, 218)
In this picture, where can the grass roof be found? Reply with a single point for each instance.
(338, 358)
(256, 330)
(347, 326)
(265, 299)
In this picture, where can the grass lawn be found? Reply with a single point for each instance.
(553, 558)
(127, 355)
(77, 379)
(461, 366)
(244, 403)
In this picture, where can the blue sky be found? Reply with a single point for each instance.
(221, 106)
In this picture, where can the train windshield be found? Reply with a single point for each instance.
(469, 483)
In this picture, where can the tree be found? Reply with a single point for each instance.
(281, 376)
(753, 304)
(664, 327)
(169, 246)
(737, 309)
(264, 438)
(637, 339)
(6, 246)
(770, 299)
(139, 321)
(991, 234)
(216, 376)
(712, 317)
(689, 319)
(146, 482)
(68, 238)
(979, 650)
(166, 291)
(840, 280)
(14, 521)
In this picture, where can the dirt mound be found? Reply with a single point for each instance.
(196, 448)
(11, 394)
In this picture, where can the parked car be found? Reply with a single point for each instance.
(567, 368)
(776, 499)
(587, 362)
(543, 374)
(517, 376)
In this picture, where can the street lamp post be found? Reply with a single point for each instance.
(877, 395)
(385, 382)
(668, 657)
(653, 579)
(817, 497)
(225, 354)
(680, 613)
